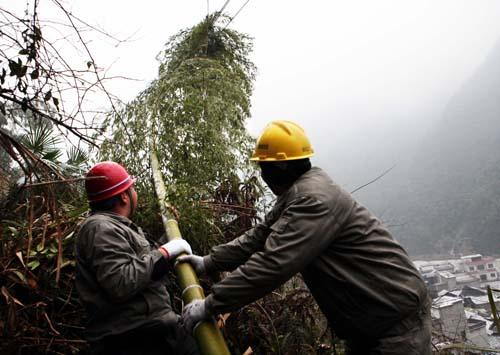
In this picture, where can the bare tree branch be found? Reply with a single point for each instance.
(38, 77)
(372, 181)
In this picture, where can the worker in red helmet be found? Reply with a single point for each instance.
(120, 273)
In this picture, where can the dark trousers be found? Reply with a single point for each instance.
(157, 340)
(411, 337)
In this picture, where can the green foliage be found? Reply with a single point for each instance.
(194, 114)
(43, 144)
(39, 303)
(40, 139)
(39, 307)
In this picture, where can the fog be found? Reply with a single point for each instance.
(364, 78)
(368, 80)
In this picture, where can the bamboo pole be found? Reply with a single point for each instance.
(207, 334)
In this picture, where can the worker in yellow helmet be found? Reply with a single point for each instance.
(361, 278)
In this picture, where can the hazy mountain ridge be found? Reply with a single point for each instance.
(449, 199)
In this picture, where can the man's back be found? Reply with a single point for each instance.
(363, 280)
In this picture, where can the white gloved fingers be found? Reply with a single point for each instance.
(176, 247)
(185, 259)
(186, 247)
(196, 261)
(193, 313)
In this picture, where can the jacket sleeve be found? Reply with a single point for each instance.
(118, 269)
(303, 231)
(227, 257)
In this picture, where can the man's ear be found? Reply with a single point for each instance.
(124, 198)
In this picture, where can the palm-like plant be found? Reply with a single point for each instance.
(77, 162)
(41, 140)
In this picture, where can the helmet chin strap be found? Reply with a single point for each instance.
(132, 205)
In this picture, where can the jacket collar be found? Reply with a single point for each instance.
(293, 189)
(115, 216)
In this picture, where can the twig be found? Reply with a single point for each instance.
(59, 341)
(371, 182)
(50, 118)
(50, 324)
(272, 325)
(59, 248)
(63, 181)
(70, 326)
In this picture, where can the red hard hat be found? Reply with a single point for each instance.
(114, 180)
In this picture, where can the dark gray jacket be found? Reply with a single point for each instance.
(114, 269)
(360, 276)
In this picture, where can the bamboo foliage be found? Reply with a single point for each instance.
(196, 111)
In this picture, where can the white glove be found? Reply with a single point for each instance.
(176, 247)
(197, 262)
(193, 314)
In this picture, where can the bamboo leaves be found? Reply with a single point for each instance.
(195, 113)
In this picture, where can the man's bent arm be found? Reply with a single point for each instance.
(227, 257)
(301, 234)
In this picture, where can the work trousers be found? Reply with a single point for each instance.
(411, 337)
(156, 340)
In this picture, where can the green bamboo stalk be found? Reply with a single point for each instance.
(493, 308)
(207, 334)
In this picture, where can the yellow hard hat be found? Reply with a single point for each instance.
(282, 140)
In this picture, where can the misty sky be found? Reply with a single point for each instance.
(364, 78)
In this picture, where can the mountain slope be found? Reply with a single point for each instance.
(453, 183)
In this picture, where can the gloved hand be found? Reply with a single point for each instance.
(175, 247)
(193, 314)
(196, 262)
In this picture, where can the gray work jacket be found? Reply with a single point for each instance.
(114, 265)
(361, 278)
